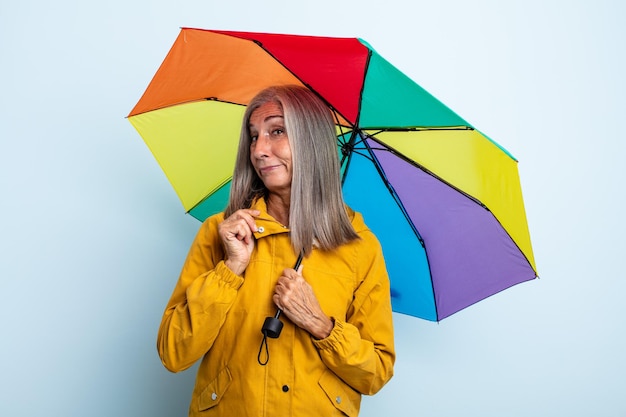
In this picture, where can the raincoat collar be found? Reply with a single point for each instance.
(266, 224)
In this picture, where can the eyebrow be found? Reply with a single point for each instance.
(276, 116)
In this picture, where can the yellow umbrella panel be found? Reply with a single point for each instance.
(195, 144)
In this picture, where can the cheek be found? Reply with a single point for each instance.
(285, 151)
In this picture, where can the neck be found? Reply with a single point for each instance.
(278, 208)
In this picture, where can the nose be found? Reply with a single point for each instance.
(261, 146)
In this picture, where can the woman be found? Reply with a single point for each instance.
(337, 340)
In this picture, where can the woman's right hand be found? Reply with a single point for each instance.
(236, 233)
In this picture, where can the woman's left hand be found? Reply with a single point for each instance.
(295, 297)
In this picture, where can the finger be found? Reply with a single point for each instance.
(283, 283)
(238, 231)
(241, 229)
(277, 301)
(245, 234)
(249, 216)
(290, 274)
(246, 215)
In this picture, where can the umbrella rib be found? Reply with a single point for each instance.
(224, 101)
(386, 148)
(400, 205)
(379, 130)
(360, 102)
(392, 190)
(349, 148)
(345, 146)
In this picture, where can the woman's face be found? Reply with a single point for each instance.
(269, 150)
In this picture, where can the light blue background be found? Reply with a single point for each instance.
(92, 237)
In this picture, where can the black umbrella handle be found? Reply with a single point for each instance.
(273, 326)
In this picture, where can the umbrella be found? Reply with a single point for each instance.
(444, 199)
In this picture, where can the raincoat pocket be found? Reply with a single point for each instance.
(344, 398)
(213, 393)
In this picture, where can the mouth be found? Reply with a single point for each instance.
(267, 169)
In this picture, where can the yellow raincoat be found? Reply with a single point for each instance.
(217, 315)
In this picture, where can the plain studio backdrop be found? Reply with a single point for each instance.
(92, 237)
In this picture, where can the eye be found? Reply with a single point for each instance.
(278, 131)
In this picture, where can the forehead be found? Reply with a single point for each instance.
(264, 112)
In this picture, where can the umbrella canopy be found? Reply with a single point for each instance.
(444, 199)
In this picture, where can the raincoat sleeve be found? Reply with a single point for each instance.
(201, 299)
(360, 349)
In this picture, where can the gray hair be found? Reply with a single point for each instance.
(317, 212)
